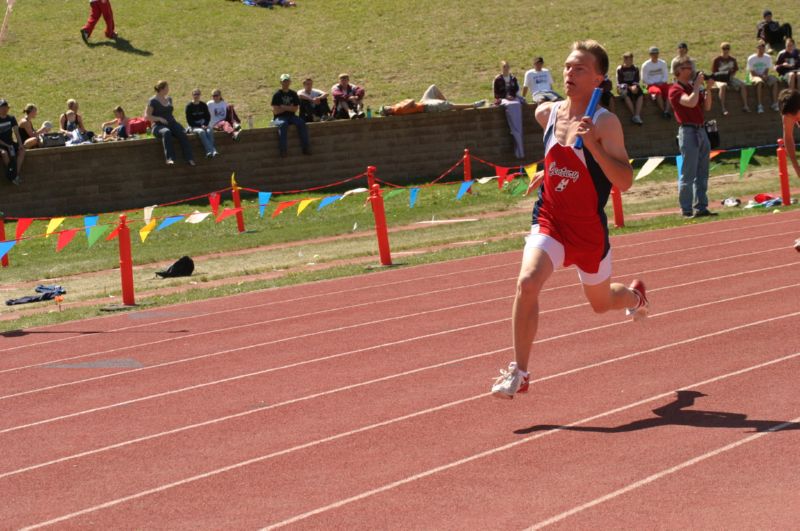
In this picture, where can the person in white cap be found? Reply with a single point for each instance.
(285, 103)
(655, 77)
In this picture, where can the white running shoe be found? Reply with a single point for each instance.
(642, 308)
(510, 382)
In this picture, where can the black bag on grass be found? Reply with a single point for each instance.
(182, 268)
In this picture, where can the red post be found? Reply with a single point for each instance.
(126, 262)
(237, 203)
(467, 166)
(783, 172)
(378, 211)
(2, 239)
(616, 200)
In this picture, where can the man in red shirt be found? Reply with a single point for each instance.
(689, 99)
(99, 8)
(569, 224)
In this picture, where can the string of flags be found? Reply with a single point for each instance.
(503, 174)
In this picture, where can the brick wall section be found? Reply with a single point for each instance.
(108, 177)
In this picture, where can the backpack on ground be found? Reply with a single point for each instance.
(182, 268)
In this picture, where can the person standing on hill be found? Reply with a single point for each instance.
(569, 224)
(99, 8)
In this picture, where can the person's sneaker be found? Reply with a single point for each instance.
(85, 36)
(235, 135)
(215, 154)
(665, 115)
(704, 213)
(478, 104)
(191, 163)
(642, 308)
(774, 106)
(510, 382)
(210, 155)
(637, 120)
(16, 181)
(745, 109)
(760, 109)
(237, 127)
(731, 202)
(113, 36)
(170, 162)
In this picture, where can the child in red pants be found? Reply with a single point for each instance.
(99, 7)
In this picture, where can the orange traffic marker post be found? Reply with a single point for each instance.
(126, 262)
(783, 173)
(616, 201)
(381, 229)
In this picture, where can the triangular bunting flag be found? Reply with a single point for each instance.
(354, 191)
(6, 246)
(679, 164)
(96, 232)
(412, 197)
(64, 237)
(228, 212)
(520, 189)
(233, 181)
(744, 160)
(148, 213)
(304, 204)
(392, 193)
(168, 221)
(114, 233)
(145, 231)
(484, 180)
(502, 174)
(531, 169)
(466, 185)
(22, 226)
(197, 217)
(333, 198)
(283, 206)
(649, 167)
(714, 153)
(263, 199)
(53, 225)
(89, 222)
(213, 200)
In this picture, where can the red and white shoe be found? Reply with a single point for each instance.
(510, 382)
(642, 308)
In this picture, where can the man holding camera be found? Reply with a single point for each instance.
(723, 72)
(690, 99)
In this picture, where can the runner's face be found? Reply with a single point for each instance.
(580, 73)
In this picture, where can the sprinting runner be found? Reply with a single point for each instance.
(789, 105)
(569, 222)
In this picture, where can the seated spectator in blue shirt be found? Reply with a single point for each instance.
(285, 103)
(197, 122)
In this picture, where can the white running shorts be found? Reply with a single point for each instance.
(555, 250)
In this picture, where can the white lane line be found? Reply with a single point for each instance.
(473, 457)
(261, 323)
(750, 225)
(395, 484)
(658, 475)
(282, 340)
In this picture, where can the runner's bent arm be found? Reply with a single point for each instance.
(607, 144)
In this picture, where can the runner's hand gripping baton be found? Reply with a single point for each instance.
(590, 112)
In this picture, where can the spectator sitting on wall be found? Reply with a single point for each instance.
(198, 119)
(159, 112)
(505, 85)
(723, 73)
(788, 64)
(71, 129)
(683, 53)
(758, 65)
(628, 87)
(789, 105)
(540, 83)
(76, 124)
(655, 77)
(772, 32)
(285, 103)
(432, 101)
(116, 129)
(348, 99)
(27, 134)
(12, 152)
(223, 115)
(313, 103)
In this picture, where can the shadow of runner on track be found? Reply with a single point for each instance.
(674, 414)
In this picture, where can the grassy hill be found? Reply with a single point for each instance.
(394, 48)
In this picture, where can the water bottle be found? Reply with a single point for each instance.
(369, 112)
(250, 122)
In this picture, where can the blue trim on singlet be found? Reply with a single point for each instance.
(601, 183)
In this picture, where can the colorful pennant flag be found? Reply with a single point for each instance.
(531, 169)
(744, 159)
(283, 206)
(89, 222)
(465, 186)
(333, 198)
(96, 232)
(228, 212)
(213, 200)
(114, 233)
(64, 237)
(263, 199)
(714, 153)
(649, 167)
(520, 189)
(679, 164)
(354, 191)
(197, 217)
(148, 213)
(412, 197)
(145, 231)
(168, 221)
(233, 181)
(22, 226)
(390, 193)
(502, 174)
(53, 225)
(304, 204)
(484, 180)
(6, 246)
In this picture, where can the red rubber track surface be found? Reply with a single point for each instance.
(363, 402)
